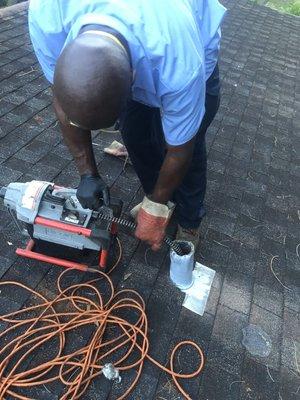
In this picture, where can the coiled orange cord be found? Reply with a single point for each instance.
(77, 369)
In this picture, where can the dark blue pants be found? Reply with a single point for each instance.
(143, 137)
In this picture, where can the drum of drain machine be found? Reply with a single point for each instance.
(181, 268)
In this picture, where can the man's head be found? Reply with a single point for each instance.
(92, 80)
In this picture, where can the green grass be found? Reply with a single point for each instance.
(285, 6)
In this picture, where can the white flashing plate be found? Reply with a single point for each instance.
(197, 295)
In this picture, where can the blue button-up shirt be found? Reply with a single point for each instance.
(174, 47)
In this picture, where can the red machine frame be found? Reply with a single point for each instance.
(28, 252)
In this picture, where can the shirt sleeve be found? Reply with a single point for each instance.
(183, 111)
(212, 53)
(46, 34)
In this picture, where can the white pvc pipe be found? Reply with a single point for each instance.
(181, 268)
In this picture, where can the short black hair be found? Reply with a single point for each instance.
(92, 80)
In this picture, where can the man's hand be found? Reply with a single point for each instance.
(91, 191)
(152, 221)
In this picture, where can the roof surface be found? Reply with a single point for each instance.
(252, 202)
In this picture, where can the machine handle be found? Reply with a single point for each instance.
(63, 227)
(29, 253)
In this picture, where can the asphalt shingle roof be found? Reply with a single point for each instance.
(252, 201)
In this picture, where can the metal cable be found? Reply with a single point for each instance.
(132, 226)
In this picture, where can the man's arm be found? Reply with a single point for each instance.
(182, 114)
(154, 213)
(79, 141)
(173, 170)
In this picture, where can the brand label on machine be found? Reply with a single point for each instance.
(72, 220)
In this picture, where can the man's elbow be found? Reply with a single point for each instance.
(183, 151)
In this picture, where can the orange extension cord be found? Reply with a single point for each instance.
(76, 370)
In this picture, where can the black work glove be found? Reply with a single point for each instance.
(92, 192)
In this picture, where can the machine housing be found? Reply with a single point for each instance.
(54, 219)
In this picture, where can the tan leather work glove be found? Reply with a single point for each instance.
(152, 220)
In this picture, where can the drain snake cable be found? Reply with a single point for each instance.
(77, 369)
